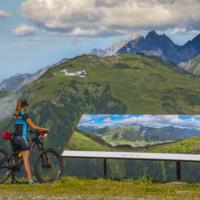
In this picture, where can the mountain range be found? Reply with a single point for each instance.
(17, 81)
(137, 132)
(135, 38)
(154, 44)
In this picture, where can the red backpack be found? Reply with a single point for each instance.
(6, 135)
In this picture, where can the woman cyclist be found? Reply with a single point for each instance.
(20, 141)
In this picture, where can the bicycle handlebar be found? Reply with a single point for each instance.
(36, 131)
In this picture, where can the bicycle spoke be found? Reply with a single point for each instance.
(3, 170)
(49, 167)
(4, 166)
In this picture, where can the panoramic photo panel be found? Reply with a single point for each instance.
(136, 133)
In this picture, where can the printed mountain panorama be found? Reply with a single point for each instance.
(134, 137)
(117, 84)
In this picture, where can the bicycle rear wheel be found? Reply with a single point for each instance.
(5, 171)
(48, 166)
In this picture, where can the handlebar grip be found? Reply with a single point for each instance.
(43, 132)
(43, 135)
(38, 132)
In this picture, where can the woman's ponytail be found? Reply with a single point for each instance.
(18, 106)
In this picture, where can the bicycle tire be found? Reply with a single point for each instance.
(4, 174)
(48, 173)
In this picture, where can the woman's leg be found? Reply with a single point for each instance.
(13, 172)
(13, 176)
(27, 168)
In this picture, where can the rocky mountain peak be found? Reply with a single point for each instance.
(116, 46)
(196, 38)
(151, 34)
(154, 44)
(196, 41)
(16, 75)
(135, 36)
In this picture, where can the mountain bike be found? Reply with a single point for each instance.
(47, 167)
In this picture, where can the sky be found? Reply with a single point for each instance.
(37, 33)
(155, 121)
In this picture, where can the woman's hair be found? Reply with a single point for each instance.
(18, 106)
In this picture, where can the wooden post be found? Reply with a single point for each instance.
(105, 170)
(178, 171)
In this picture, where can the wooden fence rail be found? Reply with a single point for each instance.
(178, 158)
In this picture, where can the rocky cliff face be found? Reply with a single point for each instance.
(154, 44)
(134, 39)
(159, 45)
(192, 66)
(17, 81)
(98, 52)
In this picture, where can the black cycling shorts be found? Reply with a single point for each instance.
(20, 142)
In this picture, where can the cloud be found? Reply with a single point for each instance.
(108, 3)
(111, 17)
(89, 119)
(35, 39)
(183, 31)
(7, 106)
(178, 30)
(107, 120)
(85, 118)
(4, 15)
(24, 30)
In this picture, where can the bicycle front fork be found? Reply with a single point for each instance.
(46, 157)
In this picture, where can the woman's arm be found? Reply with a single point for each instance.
(33, 126)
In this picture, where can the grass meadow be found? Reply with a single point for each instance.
(99, 188)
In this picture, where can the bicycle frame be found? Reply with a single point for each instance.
(6, 159)
(37, 141)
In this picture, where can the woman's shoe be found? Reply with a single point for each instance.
(32, 182)
(15, 182)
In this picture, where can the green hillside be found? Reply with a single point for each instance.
(125, 134)
(122, 84)
(85, 141)
(136, 135)
(117, 84)
(192, 66)
(187, 146)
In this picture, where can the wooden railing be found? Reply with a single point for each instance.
(178, 158)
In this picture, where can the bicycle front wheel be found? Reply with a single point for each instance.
(48, 166)
(5, 166)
